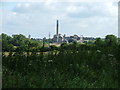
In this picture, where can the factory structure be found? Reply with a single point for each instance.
(59, 38)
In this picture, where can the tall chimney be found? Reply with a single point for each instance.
(57, 28)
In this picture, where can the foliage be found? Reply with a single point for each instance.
(110, 40)
(20, 41)
(70, 66)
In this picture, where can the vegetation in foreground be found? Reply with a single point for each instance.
(68, 66)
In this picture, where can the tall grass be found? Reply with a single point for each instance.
(75, 67)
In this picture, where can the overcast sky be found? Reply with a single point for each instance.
(95, 19)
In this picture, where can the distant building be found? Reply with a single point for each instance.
(75, 38)
(57, 38)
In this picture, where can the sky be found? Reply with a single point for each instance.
(90, 19)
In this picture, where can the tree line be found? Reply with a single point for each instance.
(19, 42)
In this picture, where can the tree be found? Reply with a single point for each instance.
(6, 38)
(90, 42)
(99, 42)
(6, 46)
(18, 40)
(6, 43)
(53, 47)
(110, 40)
(33, 44)
(74, 42)
(64, 45)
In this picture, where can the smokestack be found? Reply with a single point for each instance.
(57, 28)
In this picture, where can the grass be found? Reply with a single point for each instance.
(78, 67)
(67, 70)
